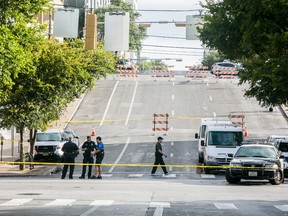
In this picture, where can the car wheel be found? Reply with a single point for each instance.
(278, 178)
(230, 179)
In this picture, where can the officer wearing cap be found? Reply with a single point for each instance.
(70, 150)
(159, 157)
(88, 147)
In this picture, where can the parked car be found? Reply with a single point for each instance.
(75, 138)
(272, 139)
(282, 146)
(219, 67)
(257, 162)
(48, 145)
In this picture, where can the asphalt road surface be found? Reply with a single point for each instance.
(121, 111)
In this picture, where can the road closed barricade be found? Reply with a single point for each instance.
(196, 72)
(160, 122)
(131, 73)
(162, 71)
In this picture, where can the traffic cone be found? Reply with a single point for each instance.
(245, 132)
(93, 132)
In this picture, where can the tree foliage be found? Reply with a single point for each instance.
(39, 78)
(136, 33)
(255, 32)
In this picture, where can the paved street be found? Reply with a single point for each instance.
(121, 111)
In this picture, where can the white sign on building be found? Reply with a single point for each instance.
(116, 31)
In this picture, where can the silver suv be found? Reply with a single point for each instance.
(219, 67)
(48, 145)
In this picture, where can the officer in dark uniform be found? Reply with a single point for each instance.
(88, 147)
(159, 157)
(70, 150)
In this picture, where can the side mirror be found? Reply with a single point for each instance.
(196, 136)
(282, 156)
(76, 137)
(202, 142)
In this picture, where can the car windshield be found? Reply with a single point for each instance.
(256, 151)
(283, 147)
(226, 138)
(69, 134)
(48, 137)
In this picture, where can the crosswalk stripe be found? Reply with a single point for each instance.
(207, 176)
(282, 207)
(169, 175)
(135, 175)
(225, 206)
(102, 203)
(16, 202)
(61, 202)
(160, 204)
(107, 175)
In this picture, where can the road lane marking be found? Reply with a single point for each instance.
(159, 207)
(210, 98)
(16, 202)
(282, 207)
(135, 175)
(207, 84)
(170, 169)
(172, 143)
(173, 97)
(209, 176)
(169, 176)
(173, 83)
(102, 203)
(225, 206)
(171, 129)
(214, 114)
(173, 112)
(131, 105)
(171, 155)
(108, 104)
(61, 202)
(120, 155)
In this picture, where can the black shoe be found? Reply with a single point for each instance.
(70, 177)
(93, 177)
(81, 177)
(62, 177)
(99, 177)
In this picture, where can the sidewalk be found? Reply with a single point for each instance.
(7, 170)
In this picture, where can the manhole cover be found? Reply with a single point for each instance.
(29, 194)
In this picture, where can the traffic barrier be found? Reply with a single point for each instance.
(162, 71)
(158, 120)
(127, 73)
(242, 123)
(197, 67)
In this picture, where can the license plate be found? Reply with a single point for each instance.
(252, 173)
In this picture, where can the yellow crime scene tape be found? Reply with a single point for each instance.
(133, 165)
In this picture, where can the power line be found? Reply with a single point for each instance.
(171, 51)
(175, 54)
(174, 47)
(170, 37)
(179, 10)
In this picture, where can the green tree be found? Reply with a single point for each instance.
(136, 33)
(255, 32)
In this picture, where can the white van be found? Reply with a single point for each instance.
(201, 135)
(222, 140)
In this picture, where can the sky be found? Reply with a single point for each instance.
(191, 54)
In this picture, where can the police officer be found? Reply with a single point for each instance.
(159, 157)
(99, 152)
(88, 147)
(70, 150)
